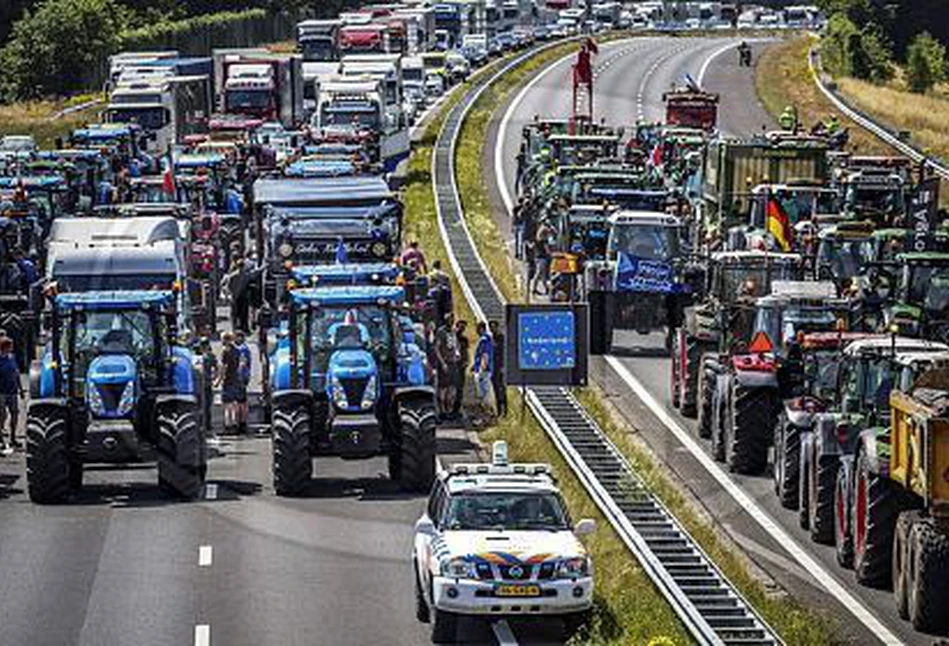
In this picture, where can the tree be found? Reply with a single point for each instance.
(925, 63)
(849, 50)
(59, 47)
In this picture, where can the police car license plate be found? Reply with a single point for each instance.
(517, 591)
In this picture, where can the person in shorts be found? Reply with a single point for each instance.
(233, 391)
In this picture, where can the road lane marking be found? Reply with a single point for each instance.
(202, 635)
(210, 491)
(708, 61)
(768, 524)
(503, 633)
(205, 555)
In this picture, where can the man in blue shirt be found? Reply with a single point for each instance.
(11, 390)
(483, 365)
(240, 342)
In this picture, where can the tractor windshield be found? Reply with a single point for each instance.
(102, 332)
(820, 371)
(753, 281)
(645, 241)
(844, 258)
(330, 326)
(870, 199)
(929, 285)
(782, 322)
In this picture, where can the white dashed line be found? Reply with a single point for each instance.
(202, 635)
(205, 555)
(503, 633)
(764, 520)
(210, 491)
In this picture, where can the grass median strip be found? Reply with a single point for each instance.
(622, 617)
(36, 118)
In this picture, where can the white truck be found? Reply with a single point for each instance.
(318, 40)
(388, 68)
(496, 541)
(259, 84)
(168, 108)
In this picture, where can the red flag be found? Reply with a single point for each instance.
(168, 179)
(655, 157)
(583, 70)
(592, 47)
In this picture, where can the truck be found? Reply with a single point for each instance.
(318, 40)
(260, 84)
(168, 108)
(419, 28)
(734, 166)
(691, 106)
(363, 39)
(448, 22)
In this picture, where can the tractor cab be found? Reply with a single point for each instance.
(795, 308)
(844, 252)
(921, 304)
(799, 205)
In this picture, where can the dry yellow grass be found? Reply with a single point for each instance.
(35, 118)
(924, 116)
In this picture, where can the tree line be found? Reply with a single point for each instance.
(865, 38)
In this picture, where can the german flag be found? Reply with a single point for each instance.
(778, 224)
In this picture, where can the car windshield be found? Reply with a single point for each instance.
(148, 118)
(316, 48)
(645, 241)
(341, 114)
(247, 99)
(844, 258)
(506, 511)
(929, 286)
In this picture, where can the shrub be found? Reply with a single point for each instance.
(863, 53)
(58, 47)
(925, 63)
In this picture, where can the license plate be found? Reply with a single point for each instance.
(517, 591)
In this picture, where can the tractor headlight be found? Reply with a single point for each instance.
(573, 568)
(369, 394)
(285, 250)
(339, 393)
(127, 401)
(94, 399)
(379, 249)
(459, 568)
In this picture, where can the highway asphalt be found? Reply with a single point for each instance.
(631, 76)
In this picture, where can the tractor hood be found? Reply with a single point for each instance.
(111, 385)
(352, 382)
(351, 363)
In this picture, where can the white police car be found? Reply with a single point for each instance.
(496, 540)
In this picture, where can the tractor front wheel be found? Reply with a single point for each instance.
(412, 463)
(292, 464)
(180, 452)
(751, 424)
(875, 507)
(929, 569)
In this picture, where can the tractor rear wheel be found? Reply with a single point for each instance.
(875, 507)
(414, 467)
(47, 461)
(689, 375)
(787, 462)
(703, 395)
(180, 452)
(292, 464)
(929, 573)
(843, 532)
(820, 500)
(902, 553)
(750, 427)
(804, 474)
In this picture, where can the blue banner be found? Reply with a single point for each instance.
(546, 340)
(635, 274)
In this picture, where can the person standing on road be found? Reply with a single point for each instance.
(447, 359)
(542, 250)
(461, 335)
(482, 367)
(11, 391)
(413, 256)
(498, 382)
(236, 281)
(230, 381)
(240, 342)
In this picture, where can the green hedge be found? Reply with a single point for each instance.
(201, 34)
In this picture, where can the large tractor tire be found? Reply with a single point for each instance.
(929, 570)
(822, 483)
(691, 364)
(47, 456)
(704, 381)
(181, 451)
(292, 464)
(804, 474)
(787, 462)
(413, 462)
(843, 532)
(749, 429)
(675, 382)
(876, 505)
(902, 553)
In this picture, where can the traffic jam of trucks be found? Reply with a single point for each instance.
(799, 292)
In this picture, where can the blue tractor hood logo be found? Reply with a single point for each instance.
(111, 384)
(634, 274)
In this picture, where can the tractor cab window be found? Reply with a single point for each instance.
(96, 333)
(372, 320)
(872, 199)
(928, 284)
(645, 241)
(821, 371)
(844, 258)
(878, 383)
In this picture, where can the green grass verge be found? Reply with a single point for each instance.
(620, 618)
(36, 118)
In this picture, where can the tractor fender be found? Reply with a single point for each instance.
(177, 400)
(756, 379)
(183, 371)
(413, 365)
(847, 463)
(797, 417)
(825, 434)
(280, 370)
(39, 405)
(291, 398)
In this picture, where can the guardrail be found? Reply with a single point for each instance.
(712, 610)
(865, 121)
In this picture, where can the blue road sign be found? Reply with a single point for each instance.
(547, 340)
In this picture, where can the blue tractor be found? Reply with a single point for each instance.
(113, 386)
(347, 379)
